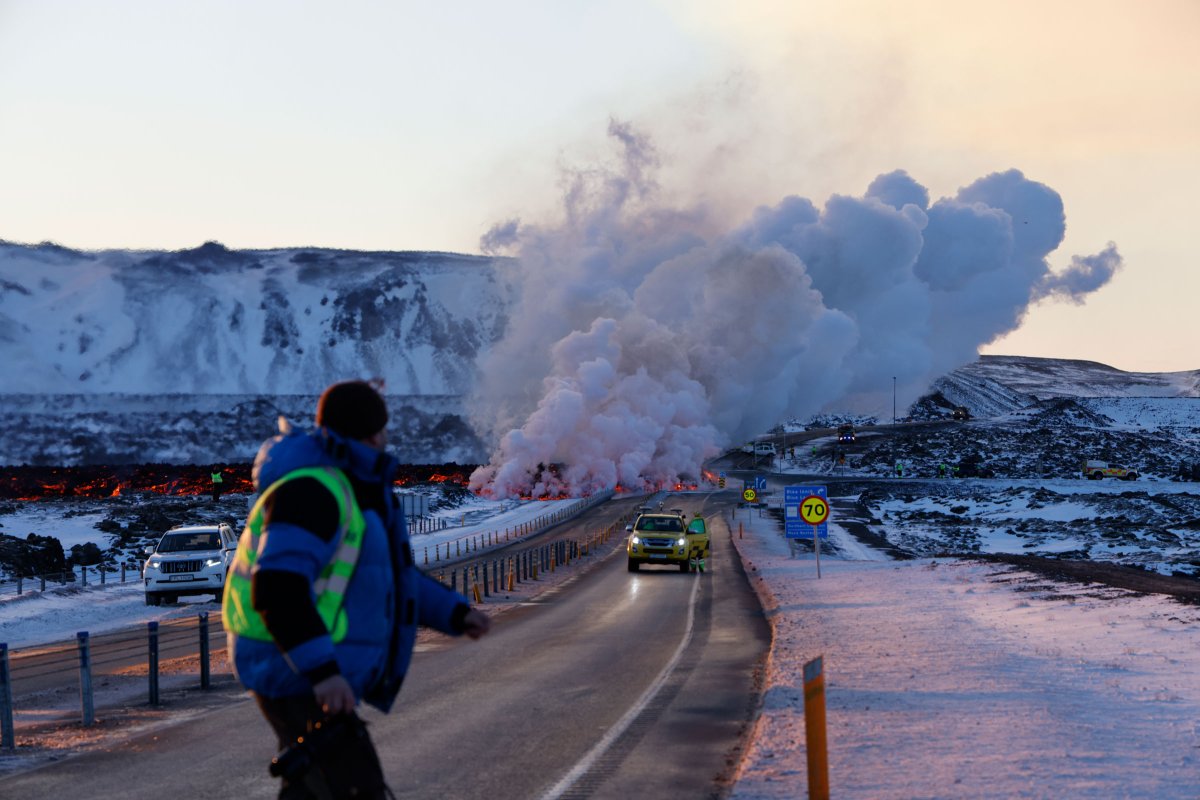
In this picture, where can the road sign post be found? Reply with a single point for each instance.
(806, 511)
(814, 510)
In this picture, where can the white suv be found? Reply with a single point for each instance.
(192, 559)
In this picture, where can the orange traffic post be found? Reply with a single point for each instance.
(814, 730)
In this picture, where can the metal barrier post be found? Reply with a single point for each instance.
(486, 591)
(84, 571)
(152, 662)
(101, 568)
(7, 738)
(204, 666)
(814, 729)
(87, 700)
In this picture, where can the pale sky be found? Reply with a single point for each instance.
(416, 126)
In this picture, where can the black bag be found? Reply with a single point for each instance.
(335, 760)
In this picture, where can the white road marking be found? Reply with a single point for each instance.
(601, 747)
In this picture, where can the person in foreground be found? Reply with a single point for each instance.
(324, 597)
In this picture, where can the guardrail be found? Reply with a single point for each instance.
(464, 545)
(82, 577)
(481, 577)
(90, 655)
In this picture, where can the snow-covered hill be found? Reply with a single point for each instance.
(999, 384)
(267, 322)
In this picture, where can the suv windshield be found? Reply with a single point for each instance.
(668, 524)
(195, 540)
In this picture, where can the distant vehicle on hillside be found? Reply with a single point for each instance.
(961, 413)
(846, 433)
(1096, 470)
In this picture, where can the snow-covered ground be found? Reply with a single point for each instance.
(953, 679)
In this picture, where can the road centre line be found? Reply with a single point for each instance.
(616, 731)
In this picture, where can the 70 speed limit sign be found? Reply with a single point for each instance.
(814, 510)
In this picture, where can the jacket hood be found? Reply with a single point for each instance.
(318, 447)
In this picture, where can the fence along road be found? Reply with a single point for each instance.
(511, 715)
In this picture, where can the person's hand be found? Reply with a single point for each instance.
(334, 695)
(476, 623)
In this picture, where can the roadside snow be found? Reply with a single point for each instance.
(951, 679)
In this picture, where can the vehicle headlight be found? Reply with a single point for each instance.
(634, 539)
(153, 563)
(681, 542)
(212, 562)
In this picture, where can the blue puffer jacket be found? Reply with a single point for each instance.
(387, 594)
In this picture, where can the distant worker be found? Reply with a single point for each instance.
(218, 483)
(899, 469)
(324, 596)
(941, 470)
(814, 451)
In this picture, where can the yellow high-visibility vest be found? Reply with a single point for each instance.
(330, 586)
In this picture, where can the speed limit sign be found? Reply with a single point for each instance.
(814, 510)
(749, 495)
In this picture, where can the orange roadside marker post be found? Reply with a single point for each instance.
(814, 730)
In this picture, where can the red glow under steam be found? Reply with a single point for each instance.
(35, 483)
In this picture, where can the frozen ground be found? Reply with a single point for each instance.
(949, 678)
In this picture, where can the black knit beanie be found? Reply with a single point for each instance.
(353, 409)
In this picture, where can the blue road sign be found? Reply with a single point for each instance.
(794, 526)
(760, 483)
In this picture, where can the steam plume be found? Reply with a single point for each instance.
(647, 338)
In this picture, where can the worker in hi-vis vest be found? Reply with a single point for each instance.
(218, 483)
(698, 544)
(324, 596)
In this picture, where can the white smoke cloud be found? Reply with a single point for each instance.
(647, 338)
(1085, 275)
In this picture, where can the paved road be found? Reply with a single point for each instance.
(615, 685)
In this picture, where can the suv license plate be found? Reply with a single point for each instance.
(658, 555)
(182, 578)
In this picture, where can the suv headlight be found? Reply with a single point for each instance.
(681, 542)
(153, 562)
(634, 539)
